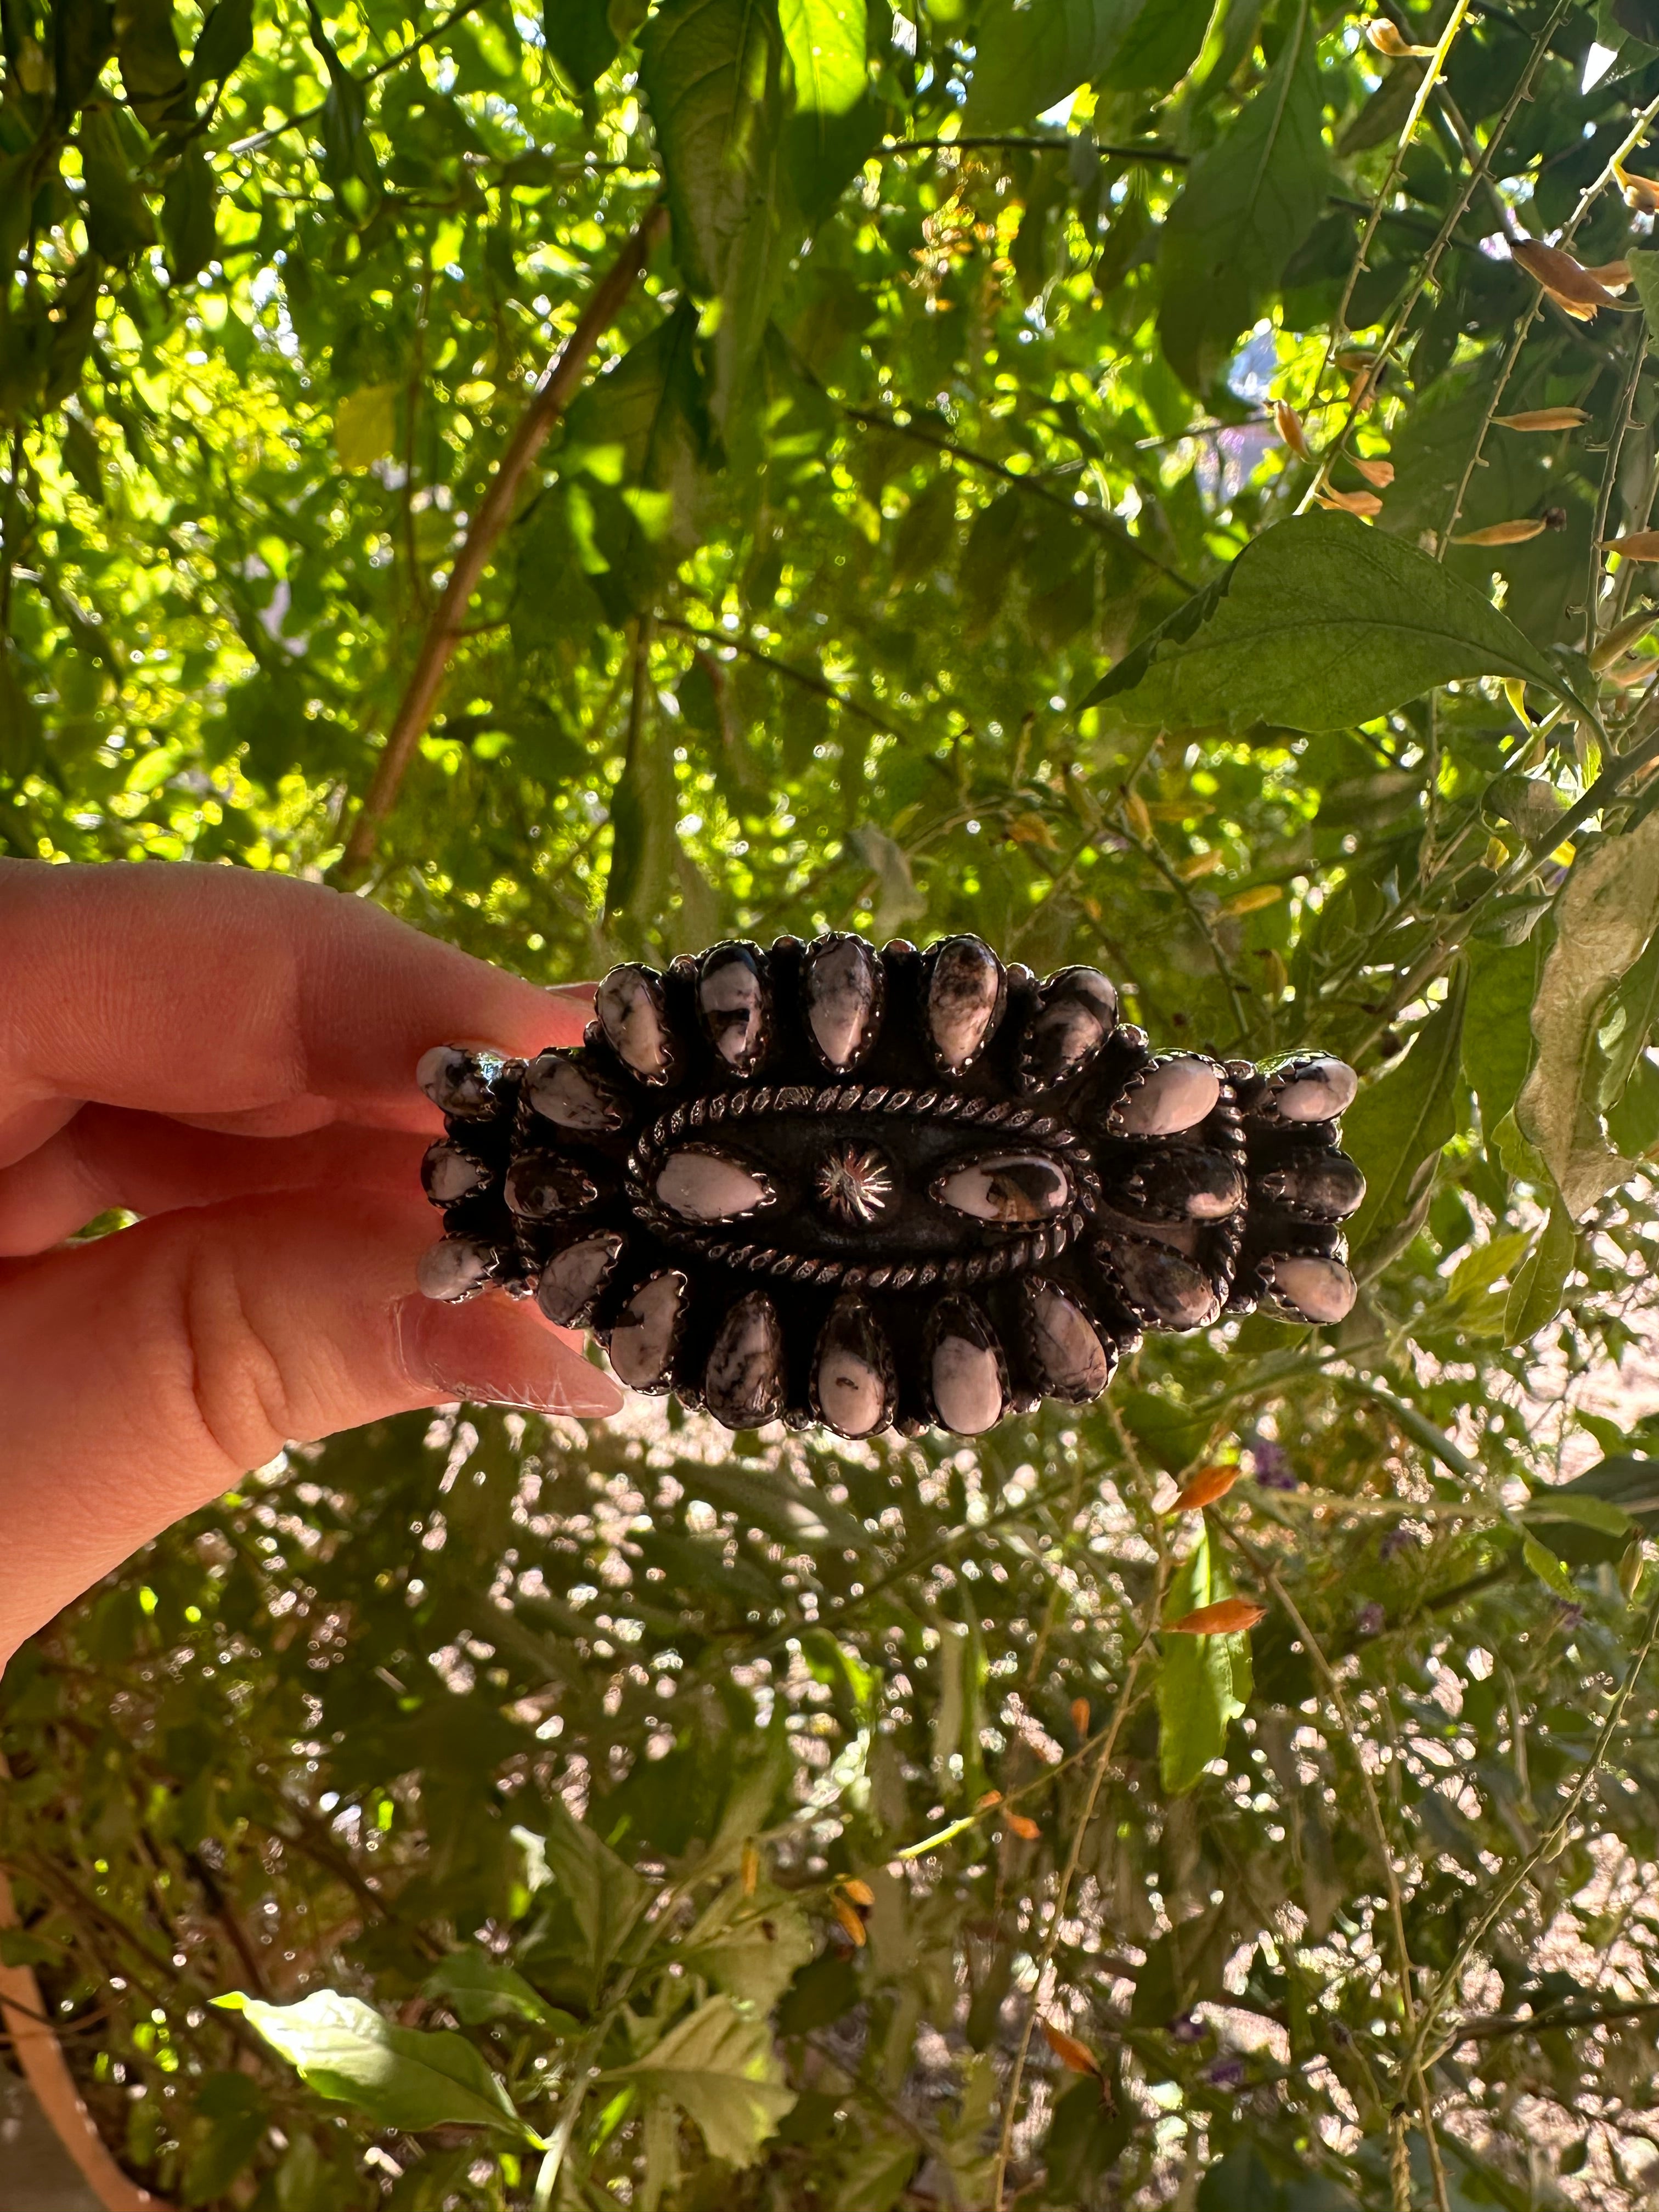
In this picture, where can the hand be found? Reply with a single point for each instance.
(231, 1056)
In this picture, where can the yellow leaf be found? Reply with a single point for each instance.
(1635, 545)
(1291, 429)
(1206, 1487)
(1229, 1616)
(1201, 864)
(1621, 637)
(1080, 1714)
(1572, 287)
(1252, 901)
(1613, 276)
(991, 1798)
(366, 426)
(751, 1869)
(1387, 39)
(859, 1892)
(852, 1926)
(1135, 807)
(1351, 502)
(1505, 533)
(1544, 418)
(1032, 829)
(1514, 692)
(1026, 1830)
(1378, 474)
(1076, 2057)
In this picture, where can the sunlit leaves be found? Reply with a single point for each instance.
(1397, 1129)
(399, 2077)
(717, 2066)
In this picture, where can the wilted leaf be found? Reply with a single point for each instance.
(1228, 1616)
(1607, 910)
(1076, 2057)
(1504, 533)
(1291, 429)
(1635, 545)
(1206, 1487)
(1544, 418)
(1567, 281)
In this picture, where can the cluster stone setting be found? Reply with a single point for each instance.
(871, 1188)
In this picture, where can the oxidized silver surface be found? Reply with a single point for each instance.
(868, 1189)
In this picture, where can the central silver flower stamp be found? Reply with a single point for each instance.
(855, 1183)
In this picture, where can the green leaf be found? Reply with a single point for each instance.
(231, 2116)
(1534, 1297)
(834, 122)
(604, 1893)
(189, 214)
(1320, 622)
(1028, 54)
(1498, 1048)
(752, 1948)
(1581, 1508)
(643, 807)
(477, 1988)
(717, 2067)
(349, 162)
(874, 2176)
(1248, 202)
(1631, 1019)
(634, 459)
(580, 39)
(117, 220)
(225, 41)
(1203, 1681)
(366, 426)
(713, 72)
(1550, 1570)
(1607, 909)
(401, 2077)
(1397, 1128)
(1644, 277)
(152, 68)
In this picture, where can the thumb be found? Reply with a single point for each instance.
(150, 1371)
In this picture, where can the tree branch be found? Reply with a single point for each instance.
(553, 395)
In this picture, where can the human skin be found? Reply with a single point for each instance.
(230, 1056)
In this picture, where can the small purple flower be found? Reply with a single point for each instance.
(1225, 2073)
(1272, 1469)
(1398, 1540)
(1187, 2027)
(1370, 1619)
(1568, 1616)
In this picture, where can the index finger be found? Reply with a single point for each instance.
(250, 1000)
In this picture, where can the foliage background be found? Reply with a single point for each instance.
(597, 1756)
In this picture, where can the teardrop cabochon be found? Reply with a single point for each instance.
(829, 1183)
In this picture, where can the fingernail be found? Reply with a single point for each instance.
(495, 1353)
